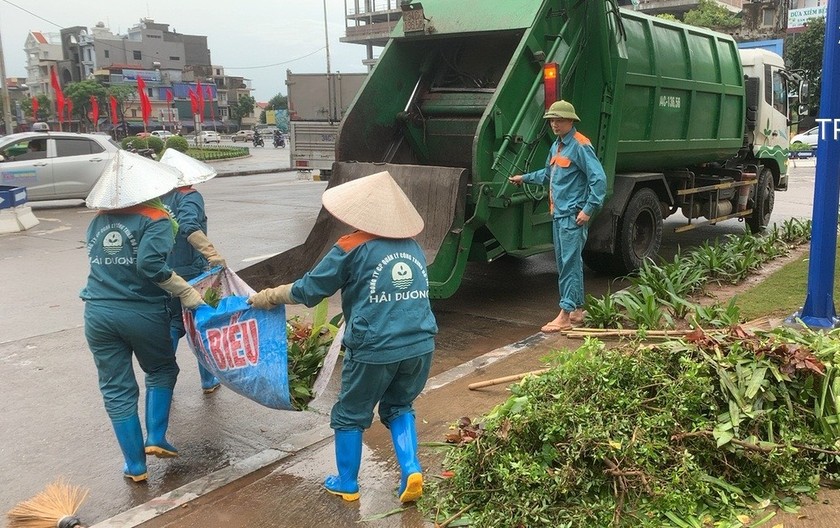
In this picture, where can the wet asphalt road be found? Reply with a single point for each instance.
(51, 417)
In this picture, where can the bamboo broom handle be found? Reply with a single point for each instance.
(498, 381)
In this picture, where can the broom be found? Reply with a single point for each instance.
(55, 507)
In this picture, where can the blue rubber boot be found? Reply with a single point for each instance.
(348, 458)
(158, 402)
(130, 438)
(404, 436)
(209, 382)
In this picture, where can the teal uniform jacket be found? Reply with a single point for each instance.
(125, 310)
(575, 175)
(127, 250)
(384, 295)
(186, 205)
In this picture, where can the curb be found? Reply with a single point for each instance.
(179, 497)
(250, 172)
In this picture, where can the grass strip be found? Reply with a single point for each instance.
(782, 293)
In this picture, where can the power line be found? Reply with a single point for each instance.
(275, 64)
(33, 14)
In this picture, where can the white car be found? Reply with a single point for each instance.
(208, 136)
(809, 138)
(162, 134)
(54, 165)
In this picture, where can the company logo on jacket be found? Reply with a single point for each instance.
(397, 285)
(109, 242)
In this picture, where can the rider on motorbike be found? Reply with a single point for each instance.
(279, 140)
(258, 140)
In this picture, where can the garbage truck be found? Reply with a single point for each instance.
(682, 121)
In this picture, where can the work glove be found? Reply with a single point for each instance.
(271, 297)
(202, 244)
(176, 285)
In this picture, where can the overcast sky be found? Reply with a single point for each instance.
(249, 38)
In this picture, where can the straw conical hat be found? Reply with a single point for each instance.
(130, 179)
(192, 170)
(374, 204)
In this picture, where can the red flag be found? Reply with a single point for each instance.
(59, 95)
(168, 96)
(35, 107)
(94, 110)
(212, 109)
(145, 104)
(200, 95)
(113, 101)
(169, 104)
(194, 102)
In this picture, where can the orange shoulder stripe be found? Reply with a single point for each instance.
(583, 140)
(350, 242)
(149, 212)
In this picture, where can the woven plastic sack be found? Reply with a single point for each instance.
(246, 348)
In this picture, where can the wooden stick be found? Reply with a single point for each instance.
(498, 381)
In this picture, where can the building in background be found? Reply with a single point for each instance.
(171, 64)
(43, 51)
(369, 23)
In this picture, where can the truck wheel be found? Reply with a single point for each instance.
(640, 231)
(600, 263)
(762, 202)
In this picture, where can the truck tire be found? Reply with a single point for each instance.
(763, 199)
(600, 263)
(640, 231)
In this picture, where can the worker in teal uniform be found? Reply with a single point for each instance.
(126, 302)
(193, 252)
(577, 188)
(389, 337)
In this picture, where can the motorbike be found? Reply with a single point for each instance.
(145, 152)
(258, 141)
(279, 141)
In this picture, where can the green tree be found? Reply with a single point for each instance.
(243, 107)
(80, 93)
(44, 108)
(278, 102)
(667, 16)
(710, 14)
(262, 117)
(126, 96)
(804, 51)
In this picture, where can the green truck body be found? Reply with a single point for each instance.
(455, 104)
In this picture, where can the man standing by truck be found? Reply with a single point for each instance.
(577, 187)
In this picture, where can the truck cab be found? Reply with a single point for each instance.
(768, 83)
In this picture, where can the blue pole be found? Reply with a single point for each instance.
(819, 303)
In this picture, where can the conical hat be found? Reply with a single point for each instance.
(130, 179)
(374, 204)
(192, 170)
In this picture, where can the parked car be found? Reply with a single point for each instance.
(243, 135)
(162, 134)
(808, 138)
(207, 136)
(55, 165)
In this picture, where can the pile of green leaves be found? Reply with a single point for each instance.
(659, 294)
(308, 344)
(212, 296)
(704, 431)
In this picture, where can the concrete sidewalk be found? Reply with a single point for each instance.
(248, 165)
(283, 487)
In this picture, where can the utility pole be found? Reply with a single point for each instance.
(327, 36)
(7, 112)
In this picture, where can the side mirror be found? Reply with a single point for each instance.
(803, 110)
(804, 92)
